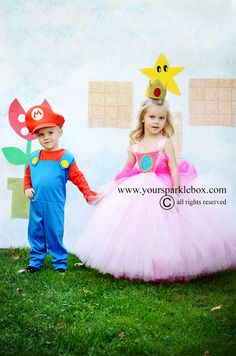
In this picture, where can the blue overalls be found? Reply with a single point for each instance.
(46, 222)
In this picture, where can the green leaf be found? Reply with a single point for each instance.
(14, 155)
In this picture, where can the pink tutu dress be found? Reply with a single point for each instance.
(130, 235)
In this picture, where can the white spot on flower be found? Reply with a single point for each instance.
(21, 118)
(24, 131)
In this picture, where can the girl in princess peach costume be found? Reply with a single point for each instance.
(135, 234)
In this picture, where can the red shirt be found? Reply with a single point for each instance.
(75, 175)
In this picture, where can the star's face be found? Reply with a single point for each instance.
(164, 72)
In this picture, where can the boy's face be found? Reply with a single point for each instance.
(49, 137)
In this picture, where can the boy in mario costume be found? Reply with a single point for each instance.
(45, 184)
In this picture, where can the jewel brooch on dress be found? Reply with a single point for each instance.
(146, 163)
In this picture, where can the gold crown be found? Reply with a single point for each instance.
(156, 90)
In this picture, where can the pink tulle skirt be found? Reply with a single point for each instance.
(130, 235)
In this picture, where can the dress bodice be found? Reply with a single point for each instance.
(157, 162)
(154, 161)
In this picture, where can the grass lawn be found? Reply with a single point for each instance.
(86, 313)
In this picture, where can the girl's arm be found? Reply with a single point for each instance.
(170, 152)
(131, 160)
(127, 169)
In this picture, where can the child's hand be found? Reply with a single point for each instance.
(29, 193)
(94, 199)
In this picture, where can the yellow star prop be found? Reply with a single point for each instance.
(165, 73)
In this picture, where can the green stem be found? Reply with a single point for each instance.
(28, 152)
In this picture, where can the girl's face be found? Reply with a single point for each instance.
(154, 119)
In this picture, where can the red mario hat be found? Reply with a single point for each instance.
(41, 116)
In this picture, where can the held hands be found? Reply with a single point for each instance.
(29, 193)
(94, 199)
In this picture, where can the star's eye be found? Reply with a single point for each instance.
(165, 68)
(159, 69)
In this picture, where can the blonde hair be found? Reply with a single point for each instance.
(137, 134)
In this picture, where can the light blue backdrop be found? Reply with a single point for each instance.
(52, 49)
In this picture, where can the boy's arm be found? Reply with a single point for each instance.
(77, 177)
(27, 178)
(29, 191)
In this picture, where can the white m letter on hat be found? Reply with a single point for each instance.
(37, 114)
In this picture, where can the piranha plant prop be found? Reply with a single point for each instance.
(16, 156)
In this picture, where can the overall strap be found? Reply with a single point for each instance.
(66, 160)
(34, 158)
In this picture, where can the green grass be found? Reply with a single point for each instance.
(86, 313)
